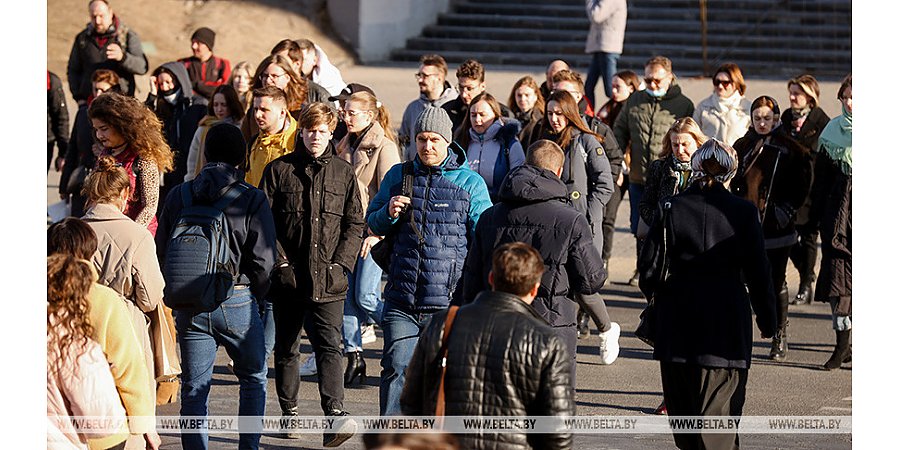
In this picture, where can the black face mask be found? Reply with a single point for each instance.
(169, 92)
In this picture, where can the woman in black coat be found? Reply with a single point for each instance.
(774, 173)
(713, 245)
(805, 121)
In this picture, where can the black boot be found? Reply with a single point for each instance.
(583, 330)
(841, 350)
(356, 367)
(804, 295)
(779, 341)
(779, 345)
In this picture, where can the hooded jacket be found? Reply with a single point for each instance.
(494, 153)
(644, 122)
(447, 201)
(207, 76)
(252, 240)
(269, 147)
(180, 120)
(407, 133)
(89, 54)
(371, 157)
(534, 209)
(502, 360)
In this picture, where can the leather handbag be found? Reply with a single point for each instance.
(441, 404)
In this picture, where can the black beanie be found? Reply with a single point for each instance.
(205, 35)
(225, 143)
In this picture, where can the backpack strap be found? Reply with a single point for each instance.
(406, 191)
(187, 197)
(440, 407)
(234, 191)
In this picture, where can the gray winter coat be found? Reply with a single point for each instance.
(607, 33)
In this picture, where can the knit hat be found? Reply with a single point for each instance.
(225, 143)
(435, 120)
(205, 35)
(351, 89)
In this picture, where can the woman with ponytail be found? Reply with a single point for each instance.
(132, 135)
(370, 148)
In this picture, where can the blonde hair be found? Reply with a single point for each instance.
(106, 182)
(682, 125)
(370, 103)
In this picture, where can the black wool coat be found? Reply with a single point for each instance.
(715, 246)
(534, 209)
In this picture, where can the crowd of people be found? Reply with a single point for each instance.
(240, 207)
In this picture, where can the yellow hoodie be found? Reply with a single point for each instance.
(267, 148)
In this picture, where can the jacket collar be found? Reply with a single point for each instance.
(104, 211)
(456, 159)
(504, 301)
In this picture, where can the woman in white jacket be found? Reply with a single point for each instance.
(725, 114)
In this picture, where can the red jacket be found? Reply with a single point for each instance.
(207, 76)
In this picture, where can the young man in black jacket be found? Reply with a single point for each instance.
(500, 350)
(533, 209)
(236, 323)
(319, 222)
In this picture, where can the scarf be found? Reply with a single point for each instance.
(682, 174)
(837, 139)
(799, 117)
(729, 103)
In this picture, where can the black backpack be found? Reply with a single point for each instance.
(198, 268)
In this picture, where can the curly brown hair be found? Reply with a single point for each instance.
(139, 126)
(69, 282)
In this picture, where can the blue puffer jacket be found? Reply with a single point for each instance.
(446, 203)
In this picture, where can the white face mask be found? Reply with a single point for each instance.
(171, 97)
(658, 93)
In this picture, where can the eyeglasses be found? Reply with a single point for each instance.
(352, 113)
(717, 82)
(464, 88)
(274, 76)
(423, 75)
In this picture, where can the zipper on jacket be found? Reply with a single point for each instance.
(425, 205)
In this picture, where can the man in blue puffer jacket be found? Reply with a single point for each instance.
(432, 231)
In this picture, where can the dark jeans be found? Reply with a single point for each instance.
(635, 194)
(401, 334)
(569, 335)
(322, 322)
(236, 325)
(602, 64)
(691, 390)
(609, 221)
(804, 253)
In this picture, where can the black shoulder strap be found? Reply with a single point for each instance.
(407, 191)
(187, 197)
(666, 240)
(234, 191)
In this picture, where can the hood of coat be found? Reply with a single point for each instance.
(456, 158)
(181, 76)
(530, 184)
(446, 96)
(213, 179)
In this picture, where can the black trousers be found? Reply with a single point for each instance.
(804, 253)
(322, 322)
(691, 390)
(569, 336)
(595, 307)
(609, 220)
(778, 259)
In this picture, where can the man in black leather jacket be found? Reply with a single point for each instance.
(499, 348)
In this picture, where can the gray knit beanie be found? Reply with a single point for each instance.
(435, 120)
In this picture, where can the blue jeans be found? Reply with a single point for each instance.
(635, 194)
(268, 320)
(237, 326)
(401, 333)
(602, 64)
(363, 302)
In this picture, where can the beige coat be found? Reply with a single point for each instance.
(126, 262)
(371, 160)
(607, 33)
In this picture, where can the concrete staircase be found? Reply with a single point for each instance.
(767, 38)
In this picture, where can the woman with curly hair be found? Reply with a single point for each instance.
(79, 381)
(276, 70)
(132, 135)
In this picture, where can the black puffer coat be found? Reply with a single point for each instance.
(318, 219)
(502, 360)
(533, 209)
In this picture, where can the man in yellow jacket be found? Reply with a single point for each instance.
(277, 131)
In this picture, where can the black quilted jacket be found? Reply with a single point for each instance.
(503, 360)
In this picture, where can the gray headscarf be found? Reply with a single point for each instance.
(722, 153)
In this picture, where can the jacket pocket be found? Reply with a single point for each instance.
(291, 201)
(333, 201)
(335, 279)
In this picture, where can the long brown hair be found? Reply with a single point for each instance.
(573, 118)
(69, 282)
(529, 82)
(106, 182)
(296, 88)
(139, 126)
(235, 108)
(462, 133)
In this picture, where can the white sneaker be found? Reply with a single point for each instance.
(309, 366)
(368, 334)
(609, 344)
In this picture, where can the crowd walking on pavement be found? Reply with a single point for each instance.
(243, 205)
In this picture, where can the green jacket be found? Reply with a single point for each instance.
(643, 124)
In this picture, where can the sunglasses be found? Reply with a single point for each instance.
(648, 80)
(721, 82)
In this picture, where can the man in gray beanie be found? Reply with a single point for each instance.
(251, 243)
(207, 72)
(427, 209)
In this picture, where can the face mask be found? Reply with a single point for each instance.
(170, 95)
(656, 94)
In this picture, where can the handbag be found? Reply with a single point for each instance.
(441, 404)
(658, 274)
(381, 252)
(164, 344)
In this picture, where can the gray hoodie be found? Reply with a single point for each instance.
(407, 127)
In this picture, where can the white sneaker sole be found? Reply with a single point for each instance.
(609, 344)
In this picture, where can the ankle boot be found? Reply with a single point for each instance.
(356, 367)
(841, 350)
(583, 329)
(779, 345)
(804, 294)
